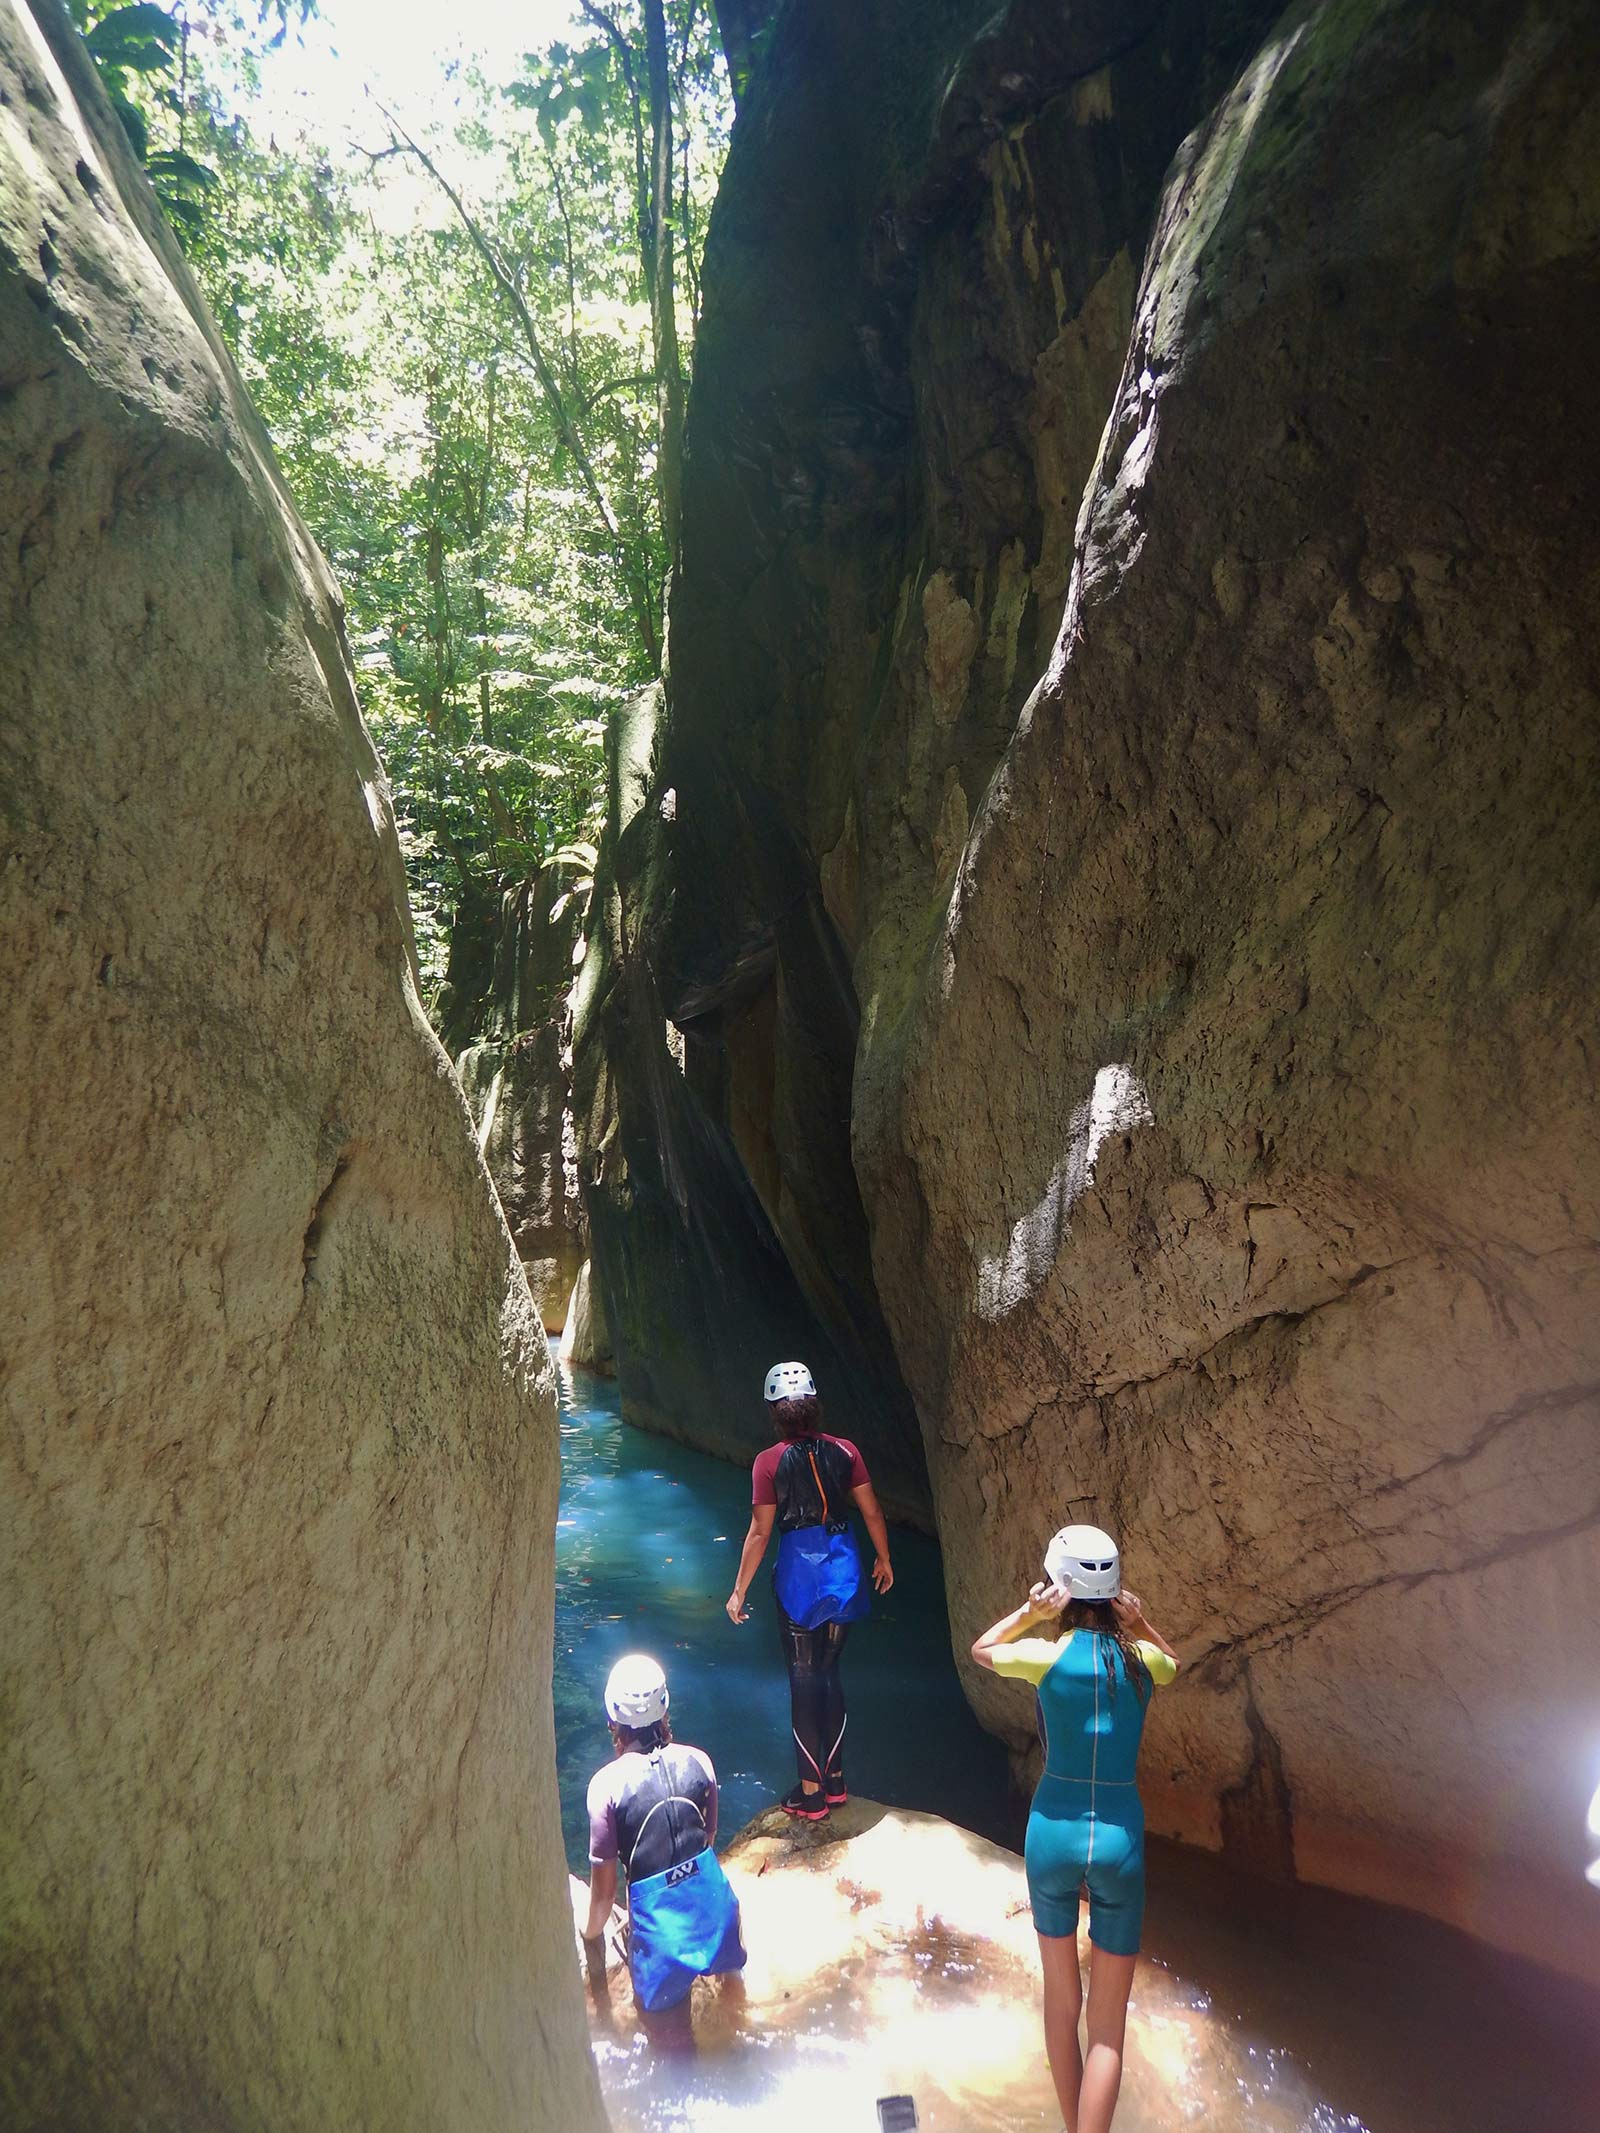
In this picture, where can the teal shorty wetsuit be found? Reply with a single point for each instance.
(1087, 1826)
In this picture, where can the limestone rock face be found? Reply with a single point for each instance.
(585, 1341)
(278, 1843)
(701, 1286)
(509, 1032)
(1136, 559)
(1277, 1249)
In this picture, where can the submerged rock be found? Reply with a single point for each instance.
(888, 1953)
(278, 1451)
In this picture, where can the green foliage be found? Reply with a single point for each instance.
(466, 409)
(142, 53)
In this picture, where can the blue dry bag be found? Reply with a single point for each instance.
(684, 1925)
(818, 1578)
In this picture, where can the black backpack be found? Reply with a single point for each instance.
(812, 1484)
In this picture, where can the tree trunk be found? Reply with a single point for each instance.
(739, 23)
(661, 262)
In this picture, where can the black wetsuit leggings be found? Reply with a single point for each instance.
(816, 1694)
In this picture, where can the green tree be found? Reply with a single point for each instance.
(147, 58)
(479, 412)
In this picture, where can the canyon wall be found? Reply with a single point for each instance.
(707, 1266)
(278, 1836)
(504, 1017)
(1125, 818)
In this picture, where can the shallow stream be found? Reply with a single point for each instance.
(1260, 2010)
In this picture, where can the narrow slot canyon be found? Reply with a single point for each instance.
(865, 680)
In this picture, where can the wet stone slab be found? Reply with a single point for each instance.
(893, 1953)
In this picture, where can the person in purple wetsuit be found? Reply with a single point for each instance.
(653, 1817)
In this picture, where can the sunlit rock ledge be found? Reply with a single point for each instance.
(892, 1953)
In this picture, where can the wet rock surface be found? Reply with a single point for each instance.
(894, 1954)
(277, 1825)
(1132, 857)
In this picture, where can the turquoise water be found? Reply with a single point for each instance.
(647, 1544)
(1262, 2009)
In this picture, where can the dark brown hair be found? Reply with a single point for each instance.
(800, 1417)
(644, 1739)
(1096, 1615)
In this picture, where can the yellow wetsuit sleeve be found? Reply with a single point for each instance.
(1026, 1659)
(1162, 1669)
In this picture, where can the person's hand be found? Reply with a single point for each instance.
(1128, 1611)
(737, 1610)
(1047, 1600)
(882, 1574)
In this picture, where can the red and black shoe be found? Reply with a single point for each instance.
(833, 1789)
(805, 1806)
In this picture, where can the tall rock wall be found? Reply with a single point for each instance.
(1137, 547)
(504, 1015)
(278, 1840)
(701, 1285)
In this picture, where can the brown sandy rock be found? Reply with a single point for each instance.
(277, 1825)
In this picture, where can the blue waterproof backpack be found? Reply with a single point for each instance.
(684, 1918)
(684, 1924)
(818, 1577)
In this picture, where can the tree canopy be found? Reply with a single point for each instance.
(469, 341)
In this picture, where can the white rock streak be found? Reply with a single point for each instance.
(1116, 1104)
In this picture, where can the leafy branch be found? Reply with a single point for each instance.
(635, 580)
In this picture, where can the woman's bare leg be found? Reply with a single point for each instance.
(1110, 1981)
(1063, 2003)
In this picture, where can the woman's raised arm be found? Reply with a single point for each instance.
(1043, 1604)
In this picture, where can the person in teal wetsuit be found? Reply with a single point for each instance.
(1092, 1658)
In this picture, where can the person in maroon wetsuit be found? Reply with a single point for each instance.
(804, 1484)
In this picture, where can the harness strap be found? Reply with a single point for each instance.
(817, 1478)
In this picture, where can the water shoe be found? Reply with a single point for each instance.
(833, 1789)
(808, 1806)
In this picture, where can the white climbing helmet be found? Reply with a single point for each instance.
(1084, 1562)
(789, 1381)
(636, 1692)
